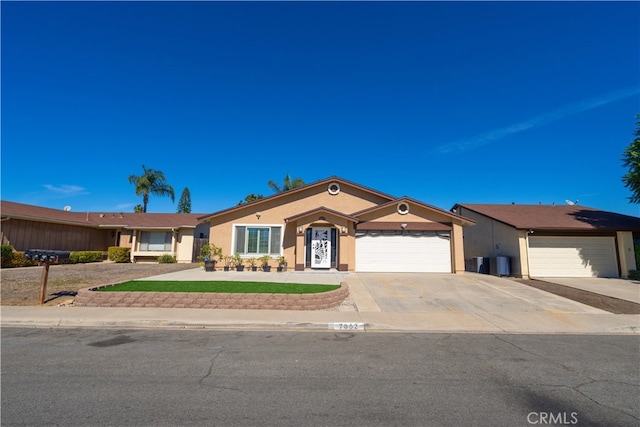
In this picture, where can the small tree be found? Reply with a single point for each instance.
(287, 184)
(250, 198)
(631, 160)
(184, 205)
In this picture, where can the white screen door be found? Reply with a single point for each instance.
(321, 247)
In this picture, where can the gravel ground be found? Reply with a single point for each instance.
(21, 286)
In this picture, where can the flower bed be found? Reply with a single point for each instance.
(88, 297)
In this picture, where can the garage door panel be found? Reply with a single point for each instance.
(572, 257)
(377, 252)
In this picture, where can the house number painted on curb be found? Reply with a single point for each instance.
(347, 326)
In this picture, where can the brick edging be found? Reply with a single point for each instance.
(88, 297)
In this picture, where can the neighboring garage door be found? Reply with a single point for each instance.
(395, 252)
(572, 257)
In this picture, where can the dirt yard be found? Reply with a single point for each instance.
(21, 286)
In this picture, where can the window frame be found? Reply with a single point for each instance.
(269, 240)
(143, 246)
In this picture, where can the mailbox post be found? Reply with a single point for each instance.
(45, 258)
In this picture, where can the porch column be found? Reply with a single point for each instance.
(457, 247)
(299, 266)
(133, 244)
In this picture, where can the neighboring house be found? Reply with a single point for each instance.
(147, 234)
(552, 240)
(337, 224)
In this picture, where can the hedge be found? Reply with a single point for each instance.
(118, 254)
(7, 255)
(166, 259)
(18, 260)
(85, 256)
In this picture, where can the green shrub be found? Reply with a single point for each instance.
(636, 247)
(166, 259)
(634, 274)
(85, 256)
(18, 260)
(7, 254)
(118, 254)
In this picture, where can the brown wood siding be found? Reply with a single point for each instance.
(23, 235)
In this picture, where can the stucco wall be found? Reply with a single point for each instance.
(184, 252)
(491, 238)
(274, 212)
(627, 256)
(349, 200)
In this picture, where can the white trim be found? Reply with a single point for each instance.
(334, 192)
(403, 212)
(233, 237)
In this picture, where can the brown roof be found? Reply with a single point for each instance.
(98, 219)
(555, 217)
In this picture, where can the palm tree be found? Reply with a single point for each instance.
(151, 182)
(288, 184)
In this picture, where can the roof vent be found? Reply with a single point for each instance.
(403, 208)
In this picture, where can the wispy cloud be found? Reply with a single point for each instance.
(122, 206)
(65, 190)
(534, 122)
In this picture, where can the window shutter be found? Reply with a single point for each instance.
(275, 241)
(240, 231)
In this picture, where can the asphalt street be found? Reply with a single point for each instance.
(91, 377)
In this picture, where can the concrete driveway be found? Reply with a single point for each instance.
(417, 292)
(447, 293)
(625, 289)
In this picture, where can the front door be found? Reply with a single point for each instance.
(321, 247)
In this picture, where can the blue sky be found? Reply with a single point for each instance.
(444, 102)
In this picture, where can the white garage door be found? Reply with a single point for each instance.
(410, 252)
(572, 257)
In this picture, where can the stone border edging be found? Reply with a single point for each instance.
(88, 297)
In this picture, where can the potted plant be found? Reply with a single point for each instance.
(208, 253)
(227, 261)
(282, 264)
(264, 261)
(251, 263)
(236, 261)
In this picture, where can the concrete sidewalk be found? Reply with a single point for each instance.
(449, 322)
(403, 302)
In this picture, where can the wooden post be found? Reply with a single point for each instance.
(43, 282)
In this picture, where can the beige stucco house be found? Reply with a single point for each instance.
(338, 224)
(551, 240)
(149, 235)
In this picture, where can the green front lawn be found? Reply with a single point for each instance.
(218, 286)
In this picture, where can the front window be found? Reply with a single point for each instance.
(253, 240)
(158, 241)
